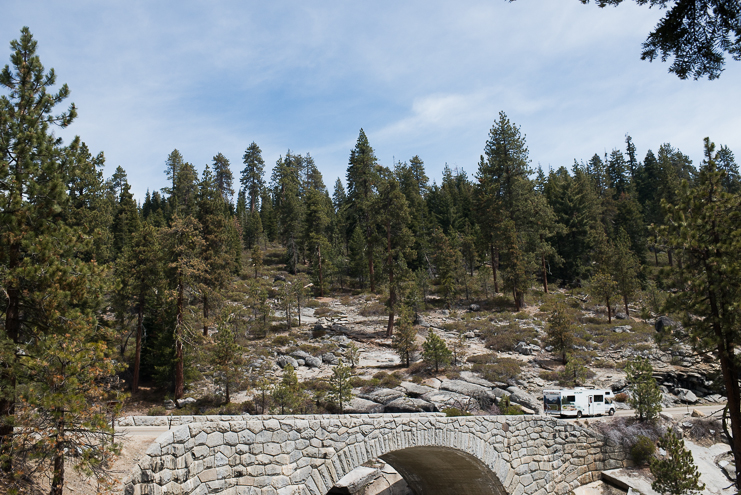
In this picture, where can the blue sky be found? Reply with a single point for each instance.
(423, 78)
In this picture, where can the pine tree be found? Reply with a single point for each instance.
(318, 207)
(676, 473)
(288, 393)
(226, 355)
(704, 222)
(625, 270)
(632, 161)
(252, 175)
(183, 244)
(393, 217)
(118, 180)
(216, 255)
(91, 204)
(404, 340)
(603, 288)
(560, 331)
(139, 271)
(504, 202)
(223, 177)
(435, 351)
(577, 210)
(618, 173)
(726, 163)
(65, 406)
(289, 208)
(645, 396)
(50, 292)
(256, 257)
(340, 389)
(447, 260)
(267, 217)
(125, 222)
(414, 184)
(362, 178)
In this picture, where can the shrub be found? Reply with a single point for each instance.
(420, 367)
(506, 407)
(373, 309)
(504, 338)
(360, 382)
(316, 385)
(324, 311)
(157, 411)
(481, 359)
(386, 380)
(281, 340)
(621, 397)
(625, 431)
(642, 450)
(502, 370)
(454, 411)
(318, 333)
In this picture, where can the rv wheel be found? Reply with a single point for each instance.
(578, 414)
(611, 412)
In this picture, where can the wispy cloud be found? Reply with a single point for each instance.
(421, 77)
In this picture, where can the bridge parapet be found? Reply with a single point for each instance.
(309, 454)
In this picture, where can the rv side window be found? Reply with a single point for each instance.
(569, 399)
(599, 398)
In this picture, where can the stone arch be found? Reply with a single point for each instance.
(450, 454)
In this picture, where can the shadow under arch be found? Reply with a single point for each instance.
(444, 470)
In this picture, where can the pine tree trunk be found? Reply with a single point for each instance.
(671, 259)
(205, 315)
(138, 352)
(656, 256)
(228, 398)
(179, 375)
(609, 314)
(57, 482)
(625, 300)
(392, 289)
(545, 274)
(298, 307)
(321, 275)
(371, 271)
(494, 267)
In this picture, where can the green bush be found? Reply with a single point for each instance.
(373, 309)
(454, 411)
(157, 411)
(642, 451)
(386, 380)
(502, 370)
(504, 338)
(506, 407)
(281, 340)
(482, 359)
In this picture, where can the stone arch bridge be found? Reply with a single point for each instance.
(502, 455)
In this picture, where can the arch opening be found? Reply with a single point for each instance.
(441, 471)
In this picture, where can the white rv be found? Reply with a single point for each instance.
(578, 402)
